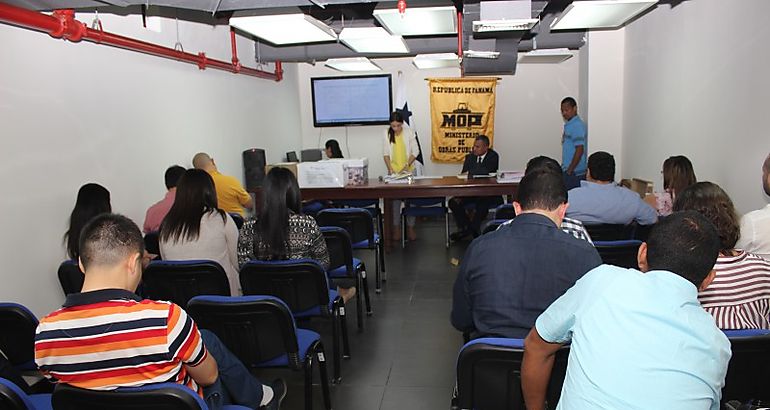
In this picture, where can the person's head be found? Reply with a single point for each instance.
(481, 145)
(280, 197)
(684, 243)
(195, 196)
(678, 174)
(543, 163)
(766, 175)
(111, 249)
(92, 200)
(333, 149)
(172, 176)
(711, 201)
(568, 108)
(601, 167)
(396, 126)
(203, 161)
(542, 192)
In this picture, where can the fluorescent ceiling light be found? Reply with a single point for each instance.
(352, 64)
(419, 21)
(546, 56)
(285, 28)
(487, 26)
(481, 54)
(600, 14)
(441, 60)
(373, 40)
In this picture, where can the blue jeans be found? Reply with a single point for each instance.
(573, 181)
(235, 385)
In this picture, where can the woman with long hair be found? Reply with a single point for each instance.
(399, 151)
(332, 149)
(195, 227)
(93, 199)
(739, 295)
(678, 174)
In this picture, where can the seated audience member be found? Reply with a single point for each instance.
(195, 227)
(568, 225)
(599, 200)
(93, 199)
(158, 211)
(678, 174)
(509, 276)
(639, 340)
(481, 161)
(755, 225)
(85, 344)
(281, 232)
(230, 193)
(332, 149)
(739, 296)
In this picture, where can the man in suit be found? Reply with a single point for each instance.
(481, 161)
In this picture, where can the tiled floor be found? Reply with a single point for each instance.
(405, 357)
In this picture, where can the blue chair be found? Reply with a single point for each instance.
(179, 281)
(17, 336)
(425, 207)
(371, 205)
(238, 219)
(158, 396)
(152, 243)
(301, 284)
(491, 226)
(505, 211)
(610, 232)
(489, 375)
(12, 397)
(621, 253)
(70, 277)
(360, 226)
(342, 265)
(748, 374)
(261, 332)
(312, 207)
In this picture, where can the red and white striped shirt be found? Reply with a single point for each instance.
(739, 296)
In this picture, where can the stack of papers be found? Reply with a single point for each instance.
(510, 176)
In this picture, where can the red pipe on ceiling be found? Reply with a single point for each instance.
(62, 24)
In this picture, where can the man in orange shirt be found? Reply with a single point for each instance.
(231, 197)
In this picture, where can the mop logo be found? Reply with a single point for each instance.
(462, 117)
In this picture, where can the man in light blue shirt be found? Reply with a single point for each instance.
(599, 200)
(574, 141)
(639, 340)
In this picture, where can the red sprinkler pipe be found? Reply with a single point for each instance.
(62, 24)
(460, 41)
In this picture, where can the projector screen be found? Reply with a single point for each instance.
(360, 100)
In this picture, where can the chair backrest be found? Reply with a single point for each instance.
(70, 277)
(358, 203)
(748, 374)
(489, 375)
(436, 201)
(609, 232)
(340, 248)
(358, 222)
(619, 253)
(492, 225)
(255, 328)
(180, 281)
(152, 242)
(17, 335)
(12, 397)
(505, 211)
(300, 283)
(160, 396)
(238, 219)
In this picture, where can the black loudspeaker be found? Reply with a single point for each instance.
(253, 168)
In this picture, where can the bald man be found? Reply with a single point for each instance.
(755, 225)
(231, 197)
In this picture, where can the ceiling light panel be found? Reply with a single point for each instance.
(284, 29)
(545, 56)
(356, 64)
(373, 40)
(488, 26)
(419, 21)
(440, 60)
(600, 14)
(481, 54)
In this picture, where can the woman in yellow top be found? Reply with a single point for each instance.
(400, 150)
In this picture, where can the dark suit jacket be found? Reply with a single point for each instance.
(487, 166)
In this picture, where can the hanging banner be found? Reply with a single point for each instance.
(461, 109)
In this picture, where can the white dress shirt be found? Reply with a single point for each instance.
(755, 232)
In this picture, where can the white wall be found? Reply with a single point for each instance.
(75, 113)
(527, 120)
(696, 84)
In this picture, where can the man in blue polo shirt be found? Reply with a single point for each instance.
(574, 143)
(639, 340)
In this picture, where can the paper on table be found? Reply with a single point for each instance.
(463, 176)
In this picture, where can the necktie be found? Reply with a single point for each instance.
(479, 161)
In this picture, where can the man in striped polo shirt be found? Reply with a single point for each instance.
(107, 337)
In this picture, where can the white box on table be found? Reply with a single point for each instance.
(321, 174)
(356, 170)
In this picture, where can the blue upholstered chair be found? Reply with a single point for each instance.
(179, 281)
(261, 332)
(610, 232)
(158, 396)
(238, 219)
(12, 397)
(303, 286)
(425, 207)
(342, 265)
(70, 277)
(505, 211)
(489, 375)
(491, 226)
(17, 336)
(152, 242)
(621, 253)
(748, 374)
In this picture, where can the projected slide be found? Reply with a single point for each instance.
(351, 100)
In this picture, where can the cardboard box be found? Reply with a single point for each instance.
(292, 166)
(356, 170)
(641, 187)
(321, 174)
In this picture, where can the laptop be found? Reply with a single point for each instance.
(292, 156)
